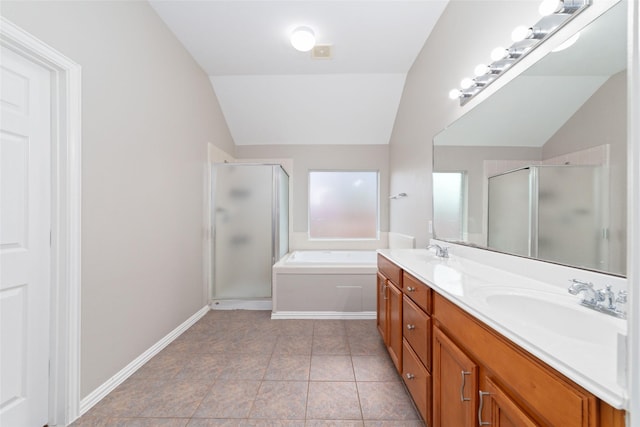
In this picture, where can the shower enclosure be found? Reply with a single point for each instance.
(550, 212)
(250, 225)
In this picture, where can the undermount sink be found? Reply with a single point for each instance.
(552, 312)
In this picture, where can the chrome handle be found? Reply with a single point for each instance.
(410, 376)
(410, 326)
(463, 383)
(384, 293)
(411, 289)
(622, 297)
(480, 405)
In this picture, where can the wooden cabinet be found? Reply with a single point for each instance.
(513, 387)
(382, 309)
(418, 292)
(455, 384)
(395, 326)
(418, 381)
(389, 308)
(502, 410)
(460, 372)
(417, 330)
(416, 343)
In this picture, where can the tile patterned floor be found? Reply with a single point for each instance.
(240, 368)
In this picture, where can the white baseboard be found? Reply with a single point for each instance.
(344, 315)
(113, 382)
(240, 304)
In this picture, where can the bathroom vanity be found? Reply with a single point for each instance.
(477, 346)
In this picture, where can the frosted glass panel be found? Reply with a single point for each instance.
(510, 213)
(343, 205)
(449, 204)
(283, 213)
(570, 229)
(243, 231)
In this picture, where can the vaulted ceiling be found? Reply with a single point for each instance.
(271, 93)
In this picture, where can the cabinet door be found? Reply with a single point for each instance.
(455, 384)
(395, 326)
(382, 309)
(498, 410)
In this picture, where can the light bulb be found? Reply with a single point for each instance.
(548, 7)
(480, 70)
(498, 53)
(303, 39)
(466, 83)
(520, 33)
(454, 94)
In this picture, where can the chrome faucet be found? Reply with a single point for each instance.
(441, 251)
(602, 300)
(587, 287)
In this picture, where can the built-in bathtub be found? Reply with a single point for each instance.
(325, 285)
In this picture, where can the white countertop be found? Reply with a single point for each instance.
(586, 346)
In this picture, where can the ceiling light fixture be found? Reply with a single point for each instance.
(303, 39)
(555, 14)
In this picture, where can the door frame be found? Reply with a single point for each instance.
(64, 377)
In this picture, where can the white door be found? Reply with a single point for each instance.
(25, 214)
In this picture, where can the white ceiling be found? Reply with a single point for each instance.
(272, 94)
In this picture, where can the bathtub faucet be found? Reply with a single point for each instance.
(441, 251)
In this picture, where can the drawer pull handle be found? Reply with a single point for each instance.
(463, 374)
(410, 326)
(481, 423)
(383, 292)
(410, 376)
(411, 289)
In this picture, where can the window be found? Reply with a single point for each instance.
(449, 195)
(343, 204)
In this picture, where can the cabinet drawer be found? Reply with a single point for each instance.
(416, 329)
(418, 381)
(390, 270)
(417, 291)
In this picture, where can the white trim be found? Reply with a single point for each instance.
(208, 224)
(340, 315)
(108, 386)
(633, 221)
(65, 217)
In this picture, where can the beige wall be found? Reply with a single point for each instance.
(318, 157)
(148, 113)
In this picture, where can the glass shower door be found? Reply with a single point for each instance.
(510, 212)
(243, 240)
(570, 229)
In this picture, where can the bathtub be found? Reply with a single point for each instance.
(325, 285)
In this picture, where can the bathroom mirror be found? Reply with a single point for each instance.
(568, 111)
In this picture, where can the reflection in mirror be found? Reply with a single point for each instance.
(564, 116)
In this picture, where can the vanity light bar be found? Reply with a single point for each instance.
(556, 14)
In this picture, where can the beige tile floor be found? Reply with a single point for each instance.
(240, 368)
